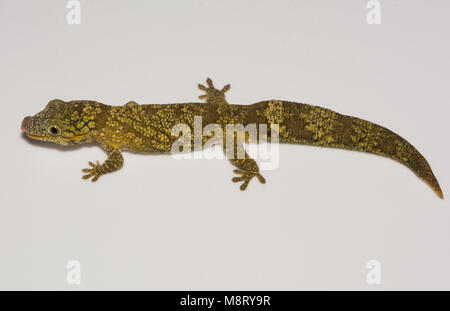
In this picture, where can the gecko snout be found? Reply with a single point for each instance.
(25, 122)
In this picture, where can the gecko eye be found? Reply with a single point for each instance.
(53, 130)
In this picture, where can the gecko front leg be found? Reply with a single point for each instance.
(111, 164)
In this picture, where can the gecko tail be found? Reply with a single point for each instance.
(423, 170)
(312, 125)
(436, 188)
(382, 141)
(433, 183)
(373, 138)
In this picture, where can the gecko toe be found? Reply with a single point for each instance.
(225, 89)
(86, 176)
(244, 185)
(209, 82)
(238, 179)
(246, 177)
(261, 178)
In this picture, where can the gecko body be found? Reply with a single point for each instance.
(148, 128)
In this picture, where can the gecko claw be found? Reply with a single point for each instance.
(92, 172)
(226, 88)
(210, 83)
(213, 95)
(261, 178)
(201, 87)
(246, 176)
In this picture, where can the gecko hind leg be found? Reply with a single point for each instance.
(247, 167)
(213, 95)
(246, 176)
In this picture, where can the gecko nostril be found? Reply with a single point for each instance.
(25, 122)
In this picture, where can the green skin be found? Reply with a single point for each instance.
(148, 128)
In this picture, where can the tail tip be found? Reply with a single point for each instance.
(433, 183)
(439, 193)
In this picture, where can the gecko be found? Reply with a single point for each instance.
(148, 129)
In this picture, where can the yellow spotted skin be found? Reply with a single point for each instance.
(148, 128)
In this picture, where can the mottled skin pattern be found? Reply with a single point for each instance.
(148, 128)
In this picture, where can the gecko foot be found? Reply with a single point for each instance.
(213, 95)
(93, 172)
(246, 176)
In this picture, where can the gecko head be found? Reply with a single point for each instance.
(64, 123)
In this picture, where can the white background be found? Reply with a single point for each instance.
(166, 224)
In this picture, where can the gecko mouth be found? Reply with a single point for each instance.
(35, 136)
(49, 137)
